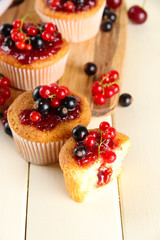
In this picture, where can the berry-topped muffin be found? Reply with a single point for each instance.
(32, 54)
(42, 119)
(78, 20)
(92, 159)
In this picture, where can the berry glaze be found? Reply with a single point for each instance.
(49, 121)
(48, 49)
(61, 6)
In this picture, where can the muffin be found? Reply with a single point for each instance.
(32, 54)
(90, 160)
(41, 120)
(77, 20)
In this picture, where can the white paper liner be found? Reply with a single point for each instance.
(77, 30)
(38, 153)
(27, 79)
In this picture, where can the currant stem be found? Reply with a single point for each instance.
(143, 4)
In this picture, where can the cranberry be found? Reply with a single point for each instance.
(93, 133)
(104, 126)
(17, 24)
(108, 92)
(35, 116)
(21, 36)
(137, 14)
(6, 93)
(32, 31)
(61, 93)
(21, 45)
(49, 27)
(96, 88)
(115, 88)
(55, 103)
(2, 100)
(4, 82)
(69, 6)
(45, 91)
(99, 99)
(28, 47)
(54, 88)
(90, 141)
(46, 35)
(109, 157)
(113, 75)
(114, 3)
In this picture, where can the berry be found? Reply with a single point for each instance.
(79, 133)
(109, 157)
(6, 93)
(70, 102)
(99, 99)
(106, 26)
(14, 36)
(45, 91)
(112, 132)
(66, 89)
(5, 112)
(104, 176)
(106, 135)
(106, 12)
(2, 100)
(106, 78)
(37, 42)
(46, 35)
(8, 41)
(7, 129)
(96, 88)
(17, 24)
(90, 141)
(54, 88)
(4, 82)
(32, 31)
(36, 94)
(35, 116)
(21, 36)
(80, 152)
(104, 126)
(5, 29)
(115, 88)
(21, 45)
(125, 100)
(42, 27)
(113, 75)
(114, 3)
(28, 47)
(52, 37)
(62, 112)
(4, 121)
(43, 106)
(49, 27)
(79, 2)
(14, 31)
(90, 68)
(112, 16)
(137, 14)
(55, 103)
(69, 6)
(61, 94)
(108, 92)
(55, 3)
(93, 133)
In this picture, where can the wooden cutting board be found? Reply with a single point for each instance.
(106, 50)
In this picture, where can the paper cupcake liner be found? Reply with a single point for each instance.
(38, 153)
(76, 30)
(27, 79)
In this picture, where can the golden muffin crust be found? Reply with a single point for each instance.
(61, 131)
(37, 64)
(42, 6)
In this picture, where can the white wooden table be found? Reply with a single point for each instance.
(34, 204)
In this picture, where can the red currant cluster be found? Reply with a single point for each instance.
(4, 91)
(106, 87)
(70, 5)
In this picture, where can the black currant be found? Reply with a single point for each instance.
(8, 41)
(90, 68)
(79, 2)
(37, 42)
(7, 129)
(125, 99)
(5, 29)
(62, 111)
(80, 152)
(79, 133)
(112, 16)
(106, 26)
(106, 11)
(43, 106)
(42, 27)
(36, 94)
(69, 102)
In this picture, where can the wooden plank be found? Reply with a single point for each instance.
(140, 182)
(13, 190)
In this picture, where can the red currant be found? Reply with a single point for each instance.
(106, 135)
(2, 100)
(21, 36)
(28, 47)
(61, 93)
(5, 112)
(93, 133)
(32, 31)
(45, 91)
(14, 36)
(113, 75)
(109, 157)
(104, 126)
(90, 141)
(114, 3)
(46, 35)
(137, 14)
(108, 92)
(4, 82)
(17, 24)
(4, 121)
(52, 38)
(115, 88)
(55, 103)
(55, 3)
(112, 132)
(6, 93)
(35, 116)
(14, 31)
(49, 27)
(69, 6)
(54, 88)
(66, 89)
(96, 88)
(21, 45)
(106, 80)
(99, 99)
